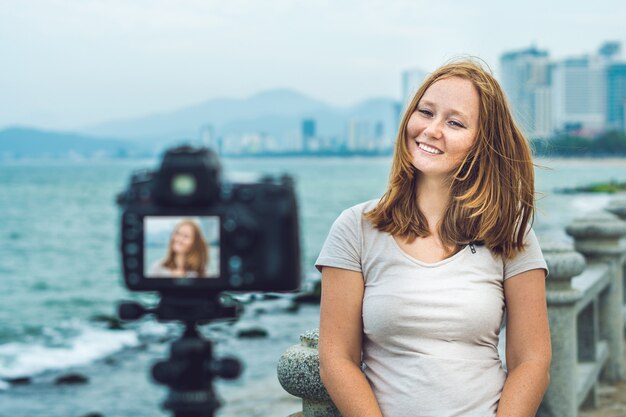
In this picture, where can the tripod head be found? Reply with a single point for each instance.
(190, 369)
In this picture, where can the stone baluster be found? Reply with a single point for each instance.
(618, 207)
(299, 374)
(564, 264)
(597, 236)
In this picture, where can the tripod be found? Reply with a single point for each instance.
(190, 369)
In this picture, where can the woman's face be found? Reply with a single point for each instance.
(182, 239)
(443, 127)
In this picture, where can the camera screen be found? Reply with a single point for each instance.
(181, 247)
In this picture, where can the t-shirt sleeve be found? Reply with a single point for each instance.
(342, 248)
(529, 258)
(158, 270)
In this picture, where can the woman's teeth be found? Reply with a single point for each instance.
(429, 149)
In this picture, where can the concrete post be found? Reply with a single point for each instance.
(564, 264)
(299, 374)
(617, 206)
(597, 236)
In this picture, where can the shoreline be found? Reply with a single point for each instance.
(573, 160)
(357, 156)
(120, 384)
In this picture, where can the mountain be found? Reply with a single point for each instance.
(21, 142)
(278, 113)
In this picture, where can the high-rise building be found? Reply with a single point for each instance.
(308, 128)
(209, 139)
(309, 141)
(525, 79)
(542, 114)
(381, 138)
(589, 91)
(411, 81)
(359, 136)
(616, 96)
(579, 94)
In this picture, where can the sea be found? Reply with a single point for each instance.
(60, 275)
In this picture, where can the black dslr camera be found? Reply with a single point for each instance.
(189, 235)
(235, 236)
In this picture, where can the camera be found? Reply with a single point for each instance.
(185, 231)
(190, 236)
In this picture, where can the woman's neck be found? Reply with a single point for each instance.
(433, 198)
(179, 260)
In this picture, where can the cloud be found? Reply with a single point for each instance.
(83, 61)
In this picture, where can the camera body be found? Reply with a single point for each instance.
(185, 232)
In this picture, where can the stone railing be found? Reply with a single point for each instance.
(585, 294)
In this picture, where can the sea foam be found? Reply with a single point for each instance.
(23, 359)
(588, 203)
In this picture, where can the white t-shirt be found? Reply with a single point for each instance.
(158, 270)
(430, 344)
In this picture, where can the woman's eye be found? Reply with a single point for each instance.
(456, 124)
(425, 112)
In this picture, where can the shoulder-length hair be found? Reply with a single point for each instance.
(198, 256)
(491, 192)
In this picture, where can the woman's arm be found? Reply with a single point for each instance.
(341, 329)
(528, 350)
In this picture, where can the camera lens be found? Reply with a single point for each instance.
(183, 184)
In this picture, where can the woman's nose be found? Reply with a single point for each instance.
(434, 129)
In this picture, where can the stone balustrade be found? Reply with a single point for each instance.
(585, 296)
(618, 207)
(299, 374)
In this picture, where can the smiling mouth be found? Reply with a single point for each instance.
(429, 149)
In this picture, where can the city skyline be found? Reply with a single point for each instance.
(583, 95)
(72, 64)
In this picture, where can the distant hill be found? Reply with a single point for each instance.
(21, 142)
(278, 113)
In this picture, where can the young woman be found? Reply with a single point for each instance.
(415, 285)
(187, 254)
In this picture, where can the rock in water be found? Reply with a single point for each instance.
(292, 307)
(252, 333)
(71, 379)
(24, 380)
(112, 322)
(312, 296)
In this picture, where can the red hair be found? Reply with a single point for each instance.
(491, 192)
(197, 258)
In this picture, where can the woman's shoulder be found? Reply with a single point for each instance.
(352, 220)
(528, 257)
(353, 216)
(158, 269)
(364, 207)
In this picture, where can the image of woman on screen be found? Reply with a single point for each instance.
(187, 253)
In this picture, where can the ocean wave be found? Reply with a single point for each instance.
(19, 359)
(587, 203)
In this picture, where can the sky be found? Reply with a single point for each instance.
(69, 64)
